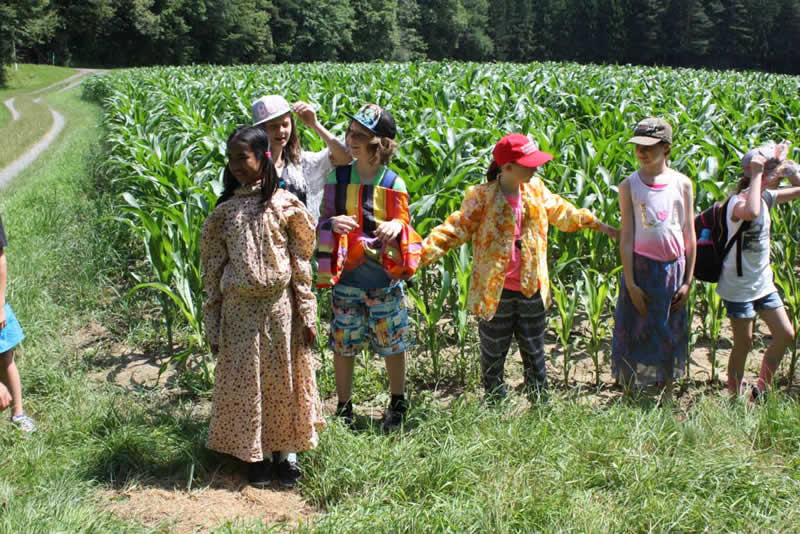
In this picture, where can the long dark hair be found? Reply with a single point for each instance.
(258, 141)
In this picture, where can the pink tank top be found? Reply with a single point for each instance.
(658, 215)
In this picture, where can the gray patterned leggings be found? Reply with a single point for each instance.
(524, 318)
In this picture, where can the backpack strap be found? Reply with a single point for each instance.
(736, 239)
(343, 174)
(388, 179)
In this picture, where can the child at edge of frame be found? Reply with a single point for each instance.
(507, 219)
(752, 290)
(10, 336)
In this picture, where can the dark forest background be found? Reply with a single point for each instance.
(745, 34)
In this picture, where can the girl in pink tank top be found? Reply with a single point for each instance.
(657, 247)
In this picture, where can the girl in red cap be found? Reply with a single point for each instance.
(657, 246)
(507, 220)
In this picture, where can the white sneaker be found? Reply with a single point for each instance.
(24, 423)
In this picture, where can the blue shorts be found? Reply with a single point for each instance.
(375, 316)
(11, 335)
(747, 310)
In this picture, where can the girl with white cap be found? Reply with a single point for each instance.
(301, 172)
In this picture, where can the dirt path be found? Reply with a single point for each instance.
(30, 155)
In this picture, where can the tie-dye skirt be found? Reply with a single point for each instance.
(646, 350)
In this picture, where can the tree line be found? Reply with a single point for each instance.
(749, 34)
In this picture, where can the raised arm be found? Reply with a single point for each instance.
(338, 151)
(750, 208)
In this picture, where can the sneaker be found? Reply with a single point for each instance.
(344, 410)
(394, 415)
(757, 396)
(24, 423)
(288, 473)
(259, 474)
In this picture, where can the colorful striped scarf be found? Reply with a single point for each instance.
(371, 205)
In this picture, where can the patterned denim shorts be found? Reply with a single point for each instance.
(378, 316)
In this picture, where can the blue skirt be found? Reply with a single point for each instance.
(11, 335)
(646, 351)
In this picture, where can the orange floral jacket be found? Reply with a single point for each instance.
(487, 219)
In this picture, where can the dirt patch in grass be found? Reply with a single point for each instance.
(227, 499)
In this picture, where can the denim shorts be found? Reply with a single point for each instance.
(747, 310)
(375, 316)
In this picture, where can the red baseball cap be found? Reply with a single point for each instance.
(517, 148)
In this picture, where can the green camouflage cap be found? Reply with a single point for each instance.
(651, 131)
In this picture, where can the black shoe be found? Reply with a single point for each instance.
(394, 415)
(259, 474)
(344, 410)
(288, 473)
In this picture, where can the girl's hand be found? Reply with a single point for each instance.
(306, 113)
(310, 335)
(679, 298)
(639, 298)
(344, 224)
(2, 318)
(610, 231)
(757, 164)
(388, 230)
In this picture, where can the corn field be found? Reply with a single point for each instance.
(166, 130)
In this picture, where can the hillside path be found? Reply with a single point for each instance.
(29, 156)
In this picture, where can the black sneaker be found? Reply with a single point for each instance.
(288, 473)
(394, 415)
(259, 474)
(757, 396)
(344, 410)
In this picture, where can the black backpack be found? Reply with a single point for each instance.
(713, 244)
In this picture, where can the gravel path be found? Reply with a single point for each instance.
(10, 105)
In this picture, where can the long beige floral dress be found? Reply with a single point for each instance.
(257, 274)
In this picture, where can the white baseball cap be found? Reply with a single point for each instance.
(269, 107)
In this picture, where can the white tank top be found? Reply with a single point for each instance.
(658, 215)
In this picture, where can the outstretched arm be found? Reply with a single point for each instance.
(456, 230)
(213, 258)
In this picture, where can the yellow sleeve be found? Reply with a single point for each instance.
(213, 259)
(456, 230)
(564, 215)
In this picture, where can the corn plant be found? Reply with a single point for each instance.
(594, 299)
(713, 325)
(432, 308)
(567, 305)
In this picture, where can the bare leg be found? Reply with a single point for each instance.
(9, 375)
(742, 342)
(782, 336)
(396, 369)
(343, 371)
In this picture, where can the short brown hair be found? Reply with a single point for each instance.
(382, 149)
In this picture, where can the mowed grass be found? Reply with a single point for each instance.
(28, 78)
(19, 135)
(567, 466)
